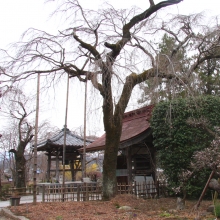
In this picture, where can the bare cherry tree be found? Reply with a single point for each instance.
(18, 110)
(7, 142)
(114, 50)
(15, 106)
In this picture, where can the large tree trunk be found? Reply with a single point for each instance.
(113, 129)
(20, 162)
(20, 171)
(110, 164)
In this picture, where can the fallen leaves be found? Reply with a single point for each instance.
(106, 210)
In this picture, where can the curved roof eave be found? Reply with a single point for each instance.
(72, 141)
(129, 142)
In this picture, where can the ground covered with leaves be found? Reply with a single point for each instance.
(121, 207)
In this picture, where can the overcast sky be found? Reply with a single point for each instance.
(17, 16)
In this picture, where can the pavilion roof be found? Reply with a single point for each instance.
(135, 128)
(57, 141)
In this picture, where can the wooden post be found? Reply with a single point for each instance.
(158, 188)
(35, 142)
(129, 168)
(87, 191)
(78, 193)
(203, 192)
(57, 167)
(84, 191)
(154, 167)
(82, 162)
(84, 145)
(48, 166)
(72, 169)
(43, 193)
(64, 143)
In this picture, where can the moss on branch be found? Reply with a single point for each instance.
(89, 47)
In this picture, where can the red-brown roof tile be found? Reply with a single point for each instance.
(134, 123)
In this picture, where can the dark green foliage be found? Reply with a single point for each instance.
(176, 139)
(209, 74)
(209, 70)
(217, 209)
(156, 89)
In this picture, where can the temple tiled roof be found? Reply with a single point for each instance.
(72, 141)
(136, 126)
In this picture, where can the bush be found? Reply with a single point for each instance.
(4, 191)
(217, 209)
(176, 139)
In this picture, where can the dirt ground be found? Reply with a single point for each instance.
(163, 208)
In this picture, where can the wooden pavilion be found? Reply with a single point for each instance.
(136, 156)
(54, 151)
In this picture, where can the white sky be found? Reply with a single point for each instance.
(17, 16)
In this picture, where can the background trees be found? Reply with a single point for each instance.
(15, 107)
(16, 143)
(209, 75)
(7, 143)
(158, 89)
(182, 127)
(114, 50)
(205, 78)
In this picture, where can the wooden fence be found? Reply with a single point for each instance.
(21, 191)
(89, 191)
(93, 191)
(71, 192)
(148, 189)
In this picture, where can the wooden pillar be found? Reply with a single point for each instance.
(72, 169)
(153, 153)
(57, 167)
(128, 157)
(48, 166)
(82, 168)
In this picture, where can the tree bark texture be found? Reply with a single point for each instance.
(214, 184)
(20, 180)
(110, 163)
(20, 162)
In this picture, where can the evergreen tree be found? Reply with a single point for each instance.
(177, 138)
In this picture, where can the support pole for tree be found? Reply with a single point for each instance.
(35, 142)
(84, 145)
(64, 141)
(203, 192)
